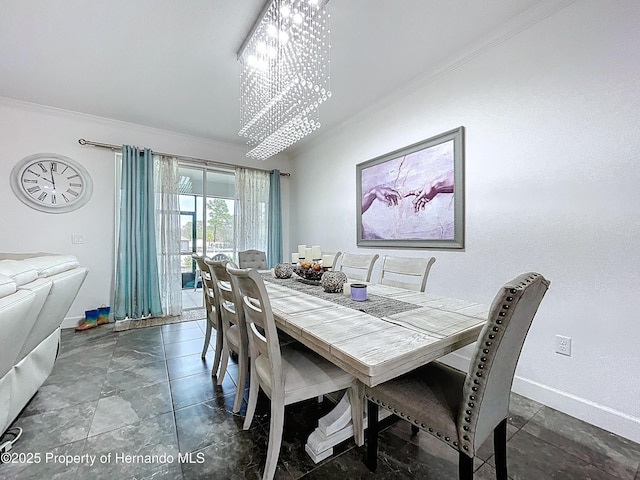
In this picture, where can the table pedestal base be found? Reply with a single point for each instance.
(334, 428)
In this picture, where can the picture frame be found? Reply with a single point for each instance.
(413, 197)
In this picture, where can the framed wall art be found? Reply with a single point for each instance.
(413, 197)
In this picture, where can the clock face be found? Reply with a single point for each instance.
(51, 183)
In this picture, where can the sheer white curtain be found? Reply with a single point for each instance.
(251, 210)
(168, 234)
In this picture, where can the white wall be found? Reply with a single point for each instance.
(552, 174)
(27, 129)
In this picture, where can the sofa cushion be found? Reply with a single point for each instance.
(7, 286)
(49, 265)
(21, 272)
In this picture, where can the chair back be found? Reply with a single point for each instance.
(487, 387)
(336, 257)
(225, 295)
(252, 259)
(358, 267)
(207, 282)
(220, 256)
(255, 309)
(406, 272)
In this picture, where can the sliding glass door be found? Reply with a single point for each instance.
(206, 222)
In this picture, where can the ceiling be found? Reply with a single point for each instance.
(172, 64)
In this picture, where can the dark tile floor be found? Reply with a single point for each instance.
(146, 393)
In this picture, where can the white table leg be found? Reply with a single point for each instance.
(334, 428)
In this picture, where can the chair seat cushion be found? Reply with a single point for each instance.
(233, 337)
(429, 397)
(305, 373)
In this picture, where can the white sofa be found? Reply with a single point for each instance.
(36, 292)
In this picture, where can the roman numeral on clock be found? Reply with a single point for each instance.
(33, 190)
(72, 192)
(42, 196)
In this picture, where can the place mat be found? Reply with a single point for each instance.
(373, 305)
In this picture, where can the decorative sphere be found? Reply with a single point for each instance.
(283, 270)
(333, 282)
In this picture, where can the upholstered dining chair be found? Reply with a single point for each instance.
(252, 259)
(357, 266)
(286, 374)
(233, 331)
(406, 272)
(462, 409)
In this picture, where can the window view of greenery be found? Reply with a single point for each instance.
(206, 217)
(219, 232)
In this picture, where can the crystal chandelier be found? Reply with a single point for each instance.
(285, 75)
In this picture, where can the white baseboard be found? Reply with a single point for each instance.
(596, 414)
(72, 322)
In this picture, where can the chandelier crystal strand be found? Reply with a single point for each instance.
(285, 76)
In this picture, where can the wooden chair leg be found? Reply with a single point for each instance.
(243, 367)
(500, 448)
(372, 436)
(465, 466)
(219, 346)
(356, 399)
(254, 388)
(207, 338)
(224, 360)
(275, 438)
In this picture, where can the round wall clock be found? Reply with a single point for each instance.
(51, 183)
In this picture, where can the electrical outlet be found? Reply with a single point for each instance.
(77, 238)
(563, 345)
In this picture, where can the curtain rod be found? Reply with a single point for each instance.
(111, 146)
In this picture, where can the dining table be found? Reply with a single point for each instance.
(392, 332)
